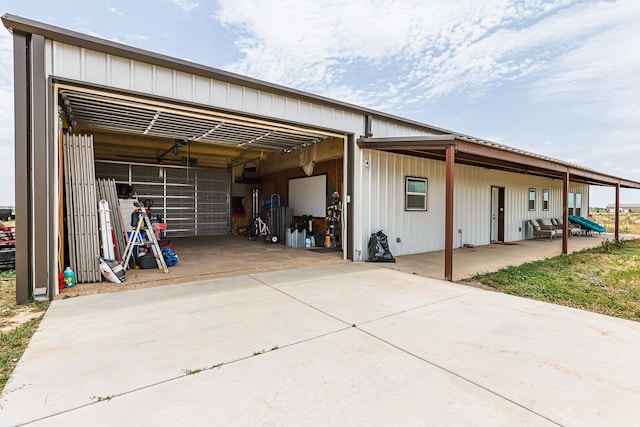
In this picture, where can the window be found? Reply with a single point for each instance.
(578, 206)
(545, 200)
(415, 194)
(532, 199)
(571, 203)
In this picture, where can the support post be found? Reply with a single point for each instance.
(617, 226)
(565, 213)
(22, 93)
(448, 233)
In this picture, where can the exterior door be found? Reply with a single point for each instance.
(497, 214)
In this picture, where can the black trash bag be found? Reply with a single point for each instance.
(379, 248)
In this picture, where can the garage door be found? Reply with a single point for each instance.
(192, 201)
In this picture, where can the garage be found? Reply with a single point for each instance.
(205, 174)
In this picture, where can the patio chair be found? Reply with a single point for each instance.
(547, 224)
(574, 229)
(539, 232)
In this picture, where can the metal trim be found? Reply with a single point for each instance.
(22, 166)
(41, 157)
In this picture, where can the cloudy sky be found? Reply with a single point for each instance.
(556, 77)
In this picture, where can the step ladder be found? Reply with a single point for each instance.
(136, 240)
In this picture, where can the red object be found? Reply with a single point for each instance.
(160, 229)
(60, 281)
(165, 243)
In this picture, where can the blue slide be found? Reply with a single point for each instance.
(588, 224)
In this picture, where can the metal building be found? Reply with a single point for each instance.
(147, 118)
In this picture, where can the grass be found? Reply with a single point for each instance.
(629, 222)
(17, 325)
(605, 279)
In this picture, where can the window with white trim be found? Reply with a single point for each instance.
(415, 194)
(571, 203)
(577, 209)
(545, 200)
(532, 199)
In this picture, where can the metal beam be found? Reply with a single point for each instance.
(617, 226)
(408, 142)
(448, 223)
(565, 213)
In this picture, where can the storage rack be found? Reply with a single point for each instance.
(333, 222)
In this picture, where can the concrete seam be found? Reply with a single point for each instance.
(408, 352)
(459, 376)
(184, 375)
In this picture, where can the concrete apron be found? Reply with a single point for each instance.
(346, 344)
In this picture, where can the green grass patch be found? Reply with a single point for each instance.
(17, 325)
(605, 279)
(629, 221)
(12, 345)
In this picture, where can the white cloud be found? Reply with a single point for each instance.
(602, 72)
(185, 5)
(420, 50)
(116, 11)
(436, 47)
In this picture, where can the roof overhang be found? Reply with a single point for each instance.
(491, 156)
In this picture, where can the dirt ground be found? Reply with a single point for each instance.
(11, 314)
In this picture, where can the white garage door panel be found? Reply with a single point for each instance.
(192, 201)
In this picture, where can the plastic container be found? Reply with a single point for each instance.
(69, 278)
(60, 281)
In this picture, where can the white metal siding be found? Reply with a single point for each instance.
(82, 64)
(382, 129)
(383, 183)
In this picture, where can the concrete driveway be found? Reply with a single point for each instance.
(346, 344)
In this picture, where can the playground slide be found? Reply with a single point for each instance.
(588, 224)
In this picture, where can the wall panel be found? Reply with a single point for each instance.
(163, 82)
(383, 184)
